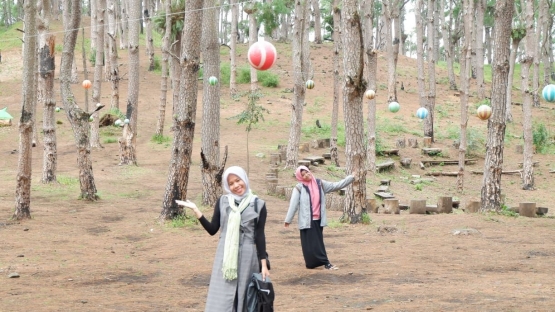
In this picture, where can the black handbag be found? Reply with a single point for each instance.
(260, 294)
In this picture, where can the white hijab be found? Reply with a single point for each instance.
(231, 245)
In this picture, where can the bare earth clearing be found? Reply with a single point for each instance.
(112, 255)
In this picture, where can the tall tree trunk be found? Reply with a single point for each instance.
(493, 164)
(124, 25)
(233, 48)
(545, 42)
(336, 80)
(526, 61)
(317, 22)
(448, 46)
(128, 140)
(300, 71)
(45, 90)
(371, 74)
(78, 118)
(514, 51)
(113, 50)
(29, 95)
(148, 13)
(479, 37)
(211, 183)
(92, 13)
(536, 62)
(353, 90)
(421, 79)
(431, 102)
(392, 48)
(98, 70)
(184, 120)
(165, 67)
(466, 59)
(253, 38)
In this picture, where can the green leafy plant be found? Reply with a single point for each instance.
(181, 221)
(540, 137)
(110, 140)
(365, 218)
(160, 139)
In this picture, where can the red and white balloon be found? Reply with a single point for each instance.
(262, 55)
(484, 112)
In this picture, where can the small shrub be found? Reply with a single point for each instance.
(181, 221)
(365, 218)
(540, 137)
(160, 139)
(110, 140)
(268, 79)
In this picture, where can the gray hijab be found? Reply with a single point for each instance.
(240, 172)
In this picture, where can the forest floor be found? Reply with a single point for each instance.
(113, 255)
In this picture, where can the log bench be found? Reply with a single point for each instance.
(303, 162)
(385, 165)
(435, 162)
(384, 195)
(431, 151)
(315, 160)
(390, 152)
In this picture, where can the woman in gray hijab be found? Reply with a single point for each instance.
(241, 216)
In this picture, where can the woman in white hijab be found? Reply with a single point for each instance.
(242, 217)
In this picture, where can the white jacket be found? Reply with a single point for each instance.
(300, 200)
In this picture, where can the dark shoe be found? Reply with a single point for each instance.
(330, 266)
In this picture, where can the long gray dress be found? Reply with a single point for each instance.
(221, 293)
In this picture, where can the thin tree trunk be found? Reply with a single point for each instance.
(98, 70)
(253, 38)
(448, 47)
(371, 74)
(317, 22)
(148, 12)
(233, 48)
(509, 90)
(421, 79)
(29, 94)
(431, 101)
(164, 76)
(527, 61)
(493, 164)
(124, 25)
(184, 123)
(128, 140)
(78, 118)
(466, 61)
(114, 66)
(300, 72)
(211, 182)
(336, 80)
(480, 11)
(353, 90)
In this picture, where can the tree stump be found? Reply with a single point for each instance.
(372, 206)
(527, 210)
(274, 171)
(326, 155)
(283, 151)
(427, 142)
(417, 206)
(385, 182)
(288, 190)
(405, 162)
(303, 162)
(401, 142)
(271, 185)
(392, 206)
(280, 190)
(304, 148)
(445, 204)
(413, 142)
(472, 206)
(275, 159)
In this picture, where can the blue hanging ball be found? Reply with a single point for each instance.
(422, 113)
(548, 93)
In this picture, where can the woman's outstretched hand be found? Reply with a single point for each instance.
(189, 204)
(285, 225)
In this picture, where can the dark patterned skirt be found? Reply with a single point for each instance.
(312, 242)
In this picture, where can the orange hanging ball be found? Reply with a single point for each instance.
(87, 84)
(483, 112)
